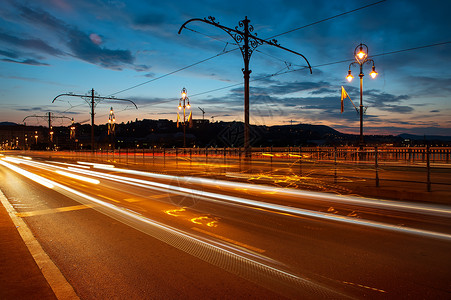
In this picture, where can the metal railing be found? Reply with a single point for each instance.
(395, 165)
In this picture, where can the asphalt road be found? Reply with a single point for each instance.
(131, 235)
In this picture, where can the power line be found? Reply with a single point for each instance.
(209, 36)
(414, 48)
(173, 72)
(289, 71)
(323, 65)
(315, 66)
(327, 19)
(228, 51)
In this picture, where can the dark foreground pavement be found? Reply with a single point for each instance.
(20, 276)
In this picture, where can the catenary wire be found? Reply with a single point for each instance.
(322, 65)
(303, 68)
(315, 66)
(324, 20)
(173, 72)
(228, 51)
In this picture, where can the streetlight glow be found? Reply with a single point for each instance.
(349, 77)
(373, 73)
(361, 55)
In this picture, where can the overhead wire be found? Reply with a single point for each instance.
(173, 72)
(322, 65)
(228, 51)
(303, 68)
(324, 20)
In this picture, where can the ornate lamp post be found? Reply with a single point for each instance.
(361, 58)
(247, 42)
(185, 106)
(112, 127)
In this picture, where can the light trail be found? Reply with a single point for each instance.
(221, 198)
(71, 165)
(36, 178)
(246, 267)
(78, 177)
(96, 165)
(368, 202)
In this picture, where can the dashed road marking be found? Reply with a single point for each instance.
(52, 210)
(108, 198)
(158, 196)
(133, 200)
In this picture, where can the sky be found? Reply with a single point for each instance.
(132, 50)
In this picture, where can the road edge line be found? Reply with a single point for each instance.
(60, 286)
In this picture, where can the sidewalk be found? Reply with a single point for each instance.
(20, 276)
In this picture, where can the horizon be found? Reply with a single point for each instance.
(219, 121)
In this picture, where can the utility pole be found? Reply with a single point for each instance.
(92, 119)
(50, 129)
(247, 43)
(48, 117)
(91, 100)
(203, 112)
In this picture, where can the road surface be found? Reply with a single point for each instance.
(120, 233)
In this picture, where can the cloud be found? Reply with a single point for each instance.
(30, 44)
(312, 101)
(95, 38)
(397, 108)
(82, 45)
(31, 79)
(9, 53)
(31, 109)
(31, 62)
(149, 21)
(83, 48)
(142, 68)
(424, 85)
(387, 102)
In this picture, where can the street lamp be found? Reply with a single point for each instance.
(185, 106)
(112, 127)
(361, 58)
(247, 42)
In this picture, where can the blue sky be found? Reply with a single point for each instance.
(49, 47)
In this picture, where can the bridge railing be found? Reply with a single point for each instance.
(415, 165)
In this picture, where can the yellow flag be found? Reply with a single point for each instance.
(190, 119)
(344, 95)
